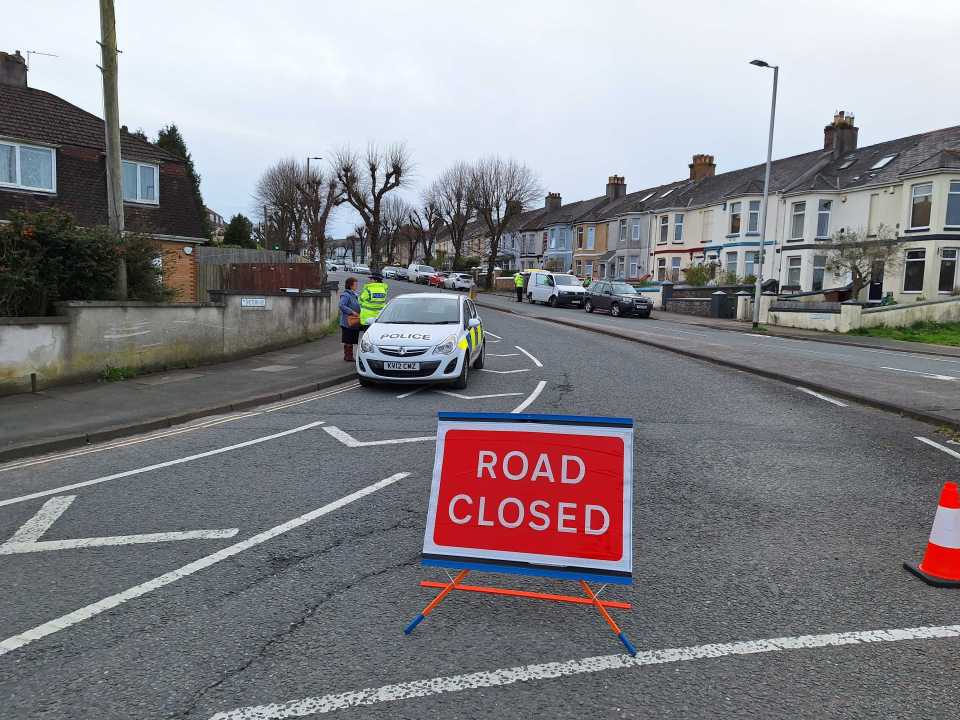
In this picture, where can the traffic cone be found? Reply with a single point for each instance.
(941, 562)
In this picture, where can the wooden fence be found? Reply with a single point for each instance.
(257, 277)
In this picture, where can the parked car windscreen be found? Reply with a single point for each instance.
(426, 269)
(566, 280)
(421, 311)
(623, 288)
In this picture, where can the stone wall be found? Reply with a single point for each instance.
(91, 336)
(689, 306)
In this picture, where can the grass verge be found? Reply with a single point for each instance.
(921, 332)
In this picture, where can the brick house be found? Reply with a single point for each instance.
(52, 154)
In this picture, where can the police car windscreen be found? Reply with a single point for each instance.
(421, 311)
(565, 280)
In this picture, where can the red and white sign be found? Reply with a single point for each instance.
(548, 495)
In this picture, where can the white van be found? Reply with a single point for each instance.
(419, 273)
(554, 289)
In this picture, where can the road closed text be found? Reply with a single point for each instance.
(539, 493)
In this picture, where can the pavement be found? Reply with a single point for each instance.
(263, 565)
(893, 375)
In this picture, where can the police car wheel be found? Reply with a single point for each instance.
(588, 306)
(478, 363)
(365, 382)
(461, 382)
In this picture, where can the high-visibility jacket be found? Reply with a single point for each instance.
(372, 299)
(518, 280)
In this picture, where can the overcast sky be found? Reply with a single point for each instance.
(577, 90)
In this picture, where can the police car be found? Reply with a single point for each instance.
(422, 338)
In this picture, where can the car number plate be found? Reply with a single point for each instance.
(389, 365)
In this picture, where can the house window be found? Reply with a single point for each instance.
(794, 263)
(819, 270)
(580, 237)
(661, 269)
(636, 229)
(622, 236)
(823, 219)
(796, 220)
(706, 226)
(913, 271)
(750, 259)
(664, 229)
(579, 268)
(678, 228)
(675, 269)
(591, 236)
(620, 264)
(731, 258)
(588, 269)
(553, 238)
(753, 220)
(634, 266)
(948, 270)
(140, 182)
(735, 218)
(25, 166)
(953, 205)
(920, 206)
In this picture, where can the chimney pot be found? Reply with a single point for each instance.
(840, 136)
(702, 166)
(616, 187)
(552, 201)
(13, 69)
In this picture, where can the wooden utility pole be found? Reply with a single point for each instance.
(111, 124)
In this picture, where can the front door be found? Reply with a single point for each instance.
(876, 282)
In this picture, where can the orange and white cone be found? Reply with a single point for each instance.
(941, 562)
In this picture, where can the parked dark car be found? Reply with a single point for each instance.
(617, 298)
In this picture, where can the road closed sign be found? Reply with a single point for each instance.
(534, 494)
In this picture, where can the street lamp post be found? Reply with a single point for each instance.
(766, 191)
(308, 165)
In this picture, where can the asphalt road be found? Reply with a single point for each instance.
(761, 512)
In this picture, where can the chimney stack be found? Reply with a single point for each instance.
(13, 69)
(840, 136)
(616, 187)
(552, 201)
(702, 166)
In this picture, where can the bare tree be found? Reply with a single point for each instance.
(500, 190)
(360, 235)
(319, 195)
(426, 223)
(278, 198)
(856, 254)
(393, 219)
(366, 182)
(451, 194)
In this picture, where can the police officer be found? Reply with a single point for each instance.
(372, 299)
(518, 285)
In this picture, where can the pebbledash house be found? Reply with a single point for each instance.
(52, 154)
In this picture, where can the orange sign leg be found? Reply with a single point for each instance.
(606, 616)
(436, 601)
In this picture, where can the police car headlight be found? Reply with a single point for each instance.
(447, 346)
(365, 344)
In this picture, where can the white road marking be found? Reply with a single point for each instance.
(158, 466)
(533, 396)
(535, 361)
(938, 446)
(85, 613)
(310, 398)
(27, 538)
(932, 376)
(552, 670)
(475, 397)
(492, 335)
(412, 392)
(505, 372)
(822, 397)
(503, 355)
(350, 441)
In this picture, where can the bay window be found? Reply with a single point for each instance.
(735, 218)
(678, 228)
(921, 202)
(799, 210)
(750, 259)
(636, 231)
(28, 167)
(634, 266)
(664, 229)
(953, 206)
(819, 271)
(675, 269)
(753, 218)
(913, 271)
(948, 270)
(661, 269)
(622, 235)
(591, 234)
(794, 264)
(823, 219)
(140, 182)
(731, 258)
(706, 226)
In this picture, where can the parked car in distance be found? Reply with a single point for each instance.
(362, 269)
(419, 273)
(554, 289)
(331, 266)
(458, 281)
(402, 273)
(618, 298)
(437, 279)
(390, 272)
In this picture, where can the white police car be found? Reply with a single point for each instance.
(422, 338)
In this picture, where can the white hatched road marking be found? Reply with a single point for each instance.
(350, 441)
(535, 361)
(476, 397)
(412, 392)
(548, 671)
(932, 376)
(505, 372)
(822, 397)
(503, 355)
(158, 466)
(27, 538)
(938, 446)
(533, 396)
(85, 613)
(492, 335)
